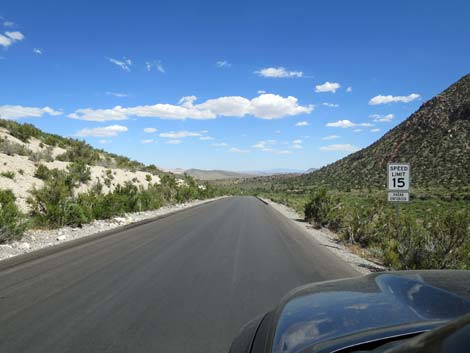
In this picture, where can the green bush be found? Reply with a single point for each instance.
(78, 173)
(12, 221)
(8, 174)
(321, 207)
(42, 172)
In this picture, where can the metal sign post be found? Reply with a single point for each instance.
(398, 184)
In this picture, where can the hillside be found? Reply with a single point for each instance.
(435, 140)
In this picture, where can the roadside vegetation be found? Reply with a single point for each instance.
(59, 203)
(432, 231)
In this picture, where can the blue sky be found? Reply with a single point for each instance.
(240, 85)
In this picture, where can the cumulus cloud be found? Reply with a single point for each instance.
(117, 94)
(357, 130)
(346, 124)
(150, 130)
(174, 142)
(13, 112)
(219, 144)
(237, 150)
(380, 99)
(374, 130)
(382, 118)
(206, 138)
(349, 89)
(8, 38)
(180, 134)
(8, 24)
(330, 137)
(340, 147)
(331, 105)
(297, 144)
(284, 152)
(124, 64)
(37, 51)
(327, 87)
(147, 141)
(223, 63)
(278, 72)
(105, 131)
(265, 106)
(104, 141)
(302, 123)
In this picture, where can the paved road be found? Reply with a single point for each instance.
(184, 283)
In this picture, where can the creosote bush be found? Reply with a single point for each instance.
(12, 221)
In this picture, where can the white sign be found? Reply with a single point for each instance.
(398, 176)
(398, 196)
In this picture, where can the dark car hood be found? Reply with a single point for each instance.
(330, 310)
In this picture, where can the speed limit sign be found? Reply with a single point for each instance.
(398, 176)
(398, 182)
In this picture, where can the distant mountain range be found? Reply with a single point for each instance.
(215, 174)
(435, 140)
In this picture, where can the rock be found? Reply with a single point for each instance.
(120, 219)
(60, 232)
(5, 246)
(61, 238)
(24, 246)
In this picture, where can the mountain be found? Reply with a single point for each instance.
(275, 171)
(435, 140)
(201, 174)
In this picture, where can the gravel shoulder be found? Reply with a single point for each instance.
(39, 239)
(329, 240)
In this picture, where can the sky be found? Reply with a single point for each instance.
(239, 85)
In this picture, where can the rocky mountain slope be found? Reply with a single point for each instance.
(435, 140)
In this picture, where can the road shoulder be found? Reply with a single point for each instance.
(327, 239)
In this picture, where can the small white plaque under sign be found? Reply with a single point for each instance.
(398, 196)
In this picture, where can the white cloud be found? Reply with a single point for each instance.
(340, 147)
(223, 63)
(341, 123)
(220, 144)
(327, 87)
(13, 112)
(330, 137)
(380, 99)
(155, 64)
(150, 130)
(297, 142)
(349, 89)
(15, 36)
(346, 124)
(8, 24)
(284, 152)
(237, 150)
(374, 130)
(261, 91)
(278, 72)
(104, 141)
(302, 123)
(206, 138)
(265, 106)
(117, 94)
(357, 130)
(180, 134)
(124, 64)
(382, 118)
(37, 51)
(147, 141)
(331, 105)
(263, 145)
(277, 131)
(174, 142)
(8, 38)
(105, 131)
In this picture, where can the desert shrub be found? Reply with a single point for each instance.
(23, 132)
(12, 221)
(78, 173)
(42, 155)
(42, 172)
(79, 151)
(8, 174)
(321, 207)
(12, 148)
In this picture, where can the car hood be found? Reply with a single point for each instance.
(330, 310)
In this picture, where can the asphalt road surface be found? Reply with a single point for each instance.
(184, 283)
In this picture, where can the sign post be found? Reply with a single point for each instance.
(398, 182)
